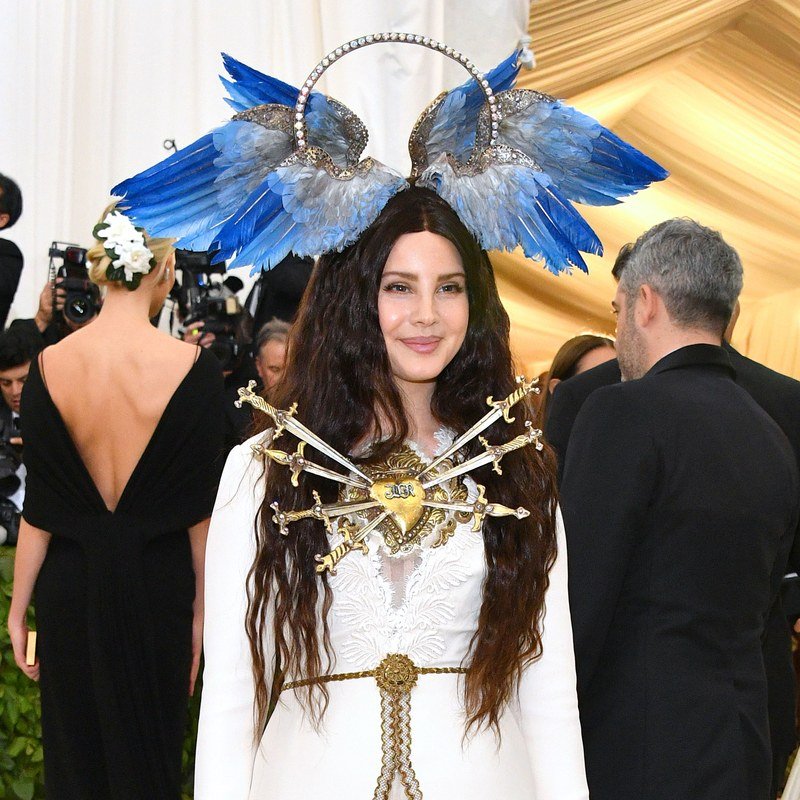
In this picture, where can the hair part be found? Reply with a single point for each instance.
(10, 199)
(694, 270)
(98, 261)
(339, 375)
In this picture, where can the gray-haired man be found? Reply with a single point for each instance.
(680, 500)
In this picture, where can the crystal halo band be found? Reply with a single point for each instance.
(379, 38)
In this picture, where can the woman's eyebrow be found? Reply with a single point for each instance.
(410, 276)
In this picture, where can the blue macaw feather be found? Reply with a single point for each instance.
(587, 162)
(506, 205)
(250, 87)
(176, 197)
(457, 116)
(302, 209)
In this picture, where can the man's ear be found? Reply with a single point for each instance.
(4, 220)
(551, 386)
(647, 305)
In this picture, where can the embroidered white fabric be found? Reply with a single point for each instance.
(425, 604)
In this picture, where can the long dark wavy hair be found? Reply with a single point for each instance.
(339, 375)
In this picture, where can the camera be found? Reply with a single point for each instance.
(9, 484)
(82, 300)
(204, 296)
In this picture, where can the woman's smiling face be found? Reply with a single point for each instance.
(423, 306)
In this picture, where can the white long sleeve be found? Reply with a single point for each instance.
(548, 697)
(225, 743)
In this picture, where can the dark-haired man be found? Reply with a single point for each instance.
(680, 498)
(10, 255)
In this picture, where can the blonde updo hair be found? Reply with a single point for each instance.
(99, 261)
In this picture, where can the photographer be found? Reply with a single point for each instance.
(17, 349)
(10, 255)
(67, 302)
(212, 316)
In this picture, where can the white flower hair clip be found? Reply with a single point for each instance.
(124, 245)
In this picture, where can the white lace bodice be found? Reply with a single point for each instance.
(424, 604)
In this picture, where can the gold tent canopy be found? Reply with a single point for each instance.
(711, 90)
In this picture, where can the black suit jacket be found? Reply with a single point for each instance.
(680, 500)
(10, 270)
(568, 399)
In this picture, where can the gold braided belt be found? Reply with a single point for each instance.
(396, 676)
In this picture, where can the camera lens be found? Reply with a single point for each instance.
(78, 308)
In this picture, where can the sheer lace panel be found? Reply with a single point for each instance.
(397, 571)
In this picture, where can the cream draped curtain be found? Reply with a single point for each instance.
(89, 89)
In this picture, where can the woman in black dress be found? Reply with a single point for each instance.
(122, 427)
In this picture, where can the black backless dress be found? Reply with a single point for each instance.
(114, 596)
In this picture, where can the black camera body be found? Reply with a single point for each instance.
(202, 296)
(10, 458)
(82, 300)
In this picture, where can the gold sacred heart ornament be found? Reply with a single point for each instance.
(402, 496)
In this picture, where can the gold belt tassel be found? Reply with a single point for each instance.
(396, 676)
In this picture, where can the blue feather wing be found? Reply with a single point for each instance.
(176, 197)
(325, 120)
(192, 192)
(507, 204)
(301, 208)
(456, 116)
(587, 162)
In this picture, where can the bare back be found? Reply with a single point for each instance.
(111, 388)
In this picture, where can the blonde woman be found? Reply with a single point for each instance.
(123, 428)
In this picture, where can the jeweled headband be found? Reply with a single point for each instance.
(284, 175)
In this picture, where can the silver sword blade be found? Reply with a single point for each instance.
(362, 533)
(460, 469)
(481, 425)
(342, 509)
(285, 419)
(301, 432)
(466, 508)
(499, 408)
(309, 466)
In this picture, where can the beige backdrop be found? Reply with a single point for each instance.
(711, 90)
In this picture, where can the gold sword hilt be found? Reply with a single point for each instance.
(497, 451)
(525, 388)
(285, 518)
(353, 539)
(279, 417)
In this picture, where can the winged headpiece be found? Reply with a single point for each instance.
(285, 174)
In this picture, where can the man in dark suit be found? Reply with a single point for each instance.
(10, 255)
(779, 396)
(680, 500)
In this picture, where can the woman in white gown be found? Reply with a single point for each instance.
(400, 339)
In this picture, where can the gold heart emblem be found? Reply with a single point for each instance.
(403, 497)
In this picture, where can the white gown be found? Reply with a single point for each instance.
(424, 604)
